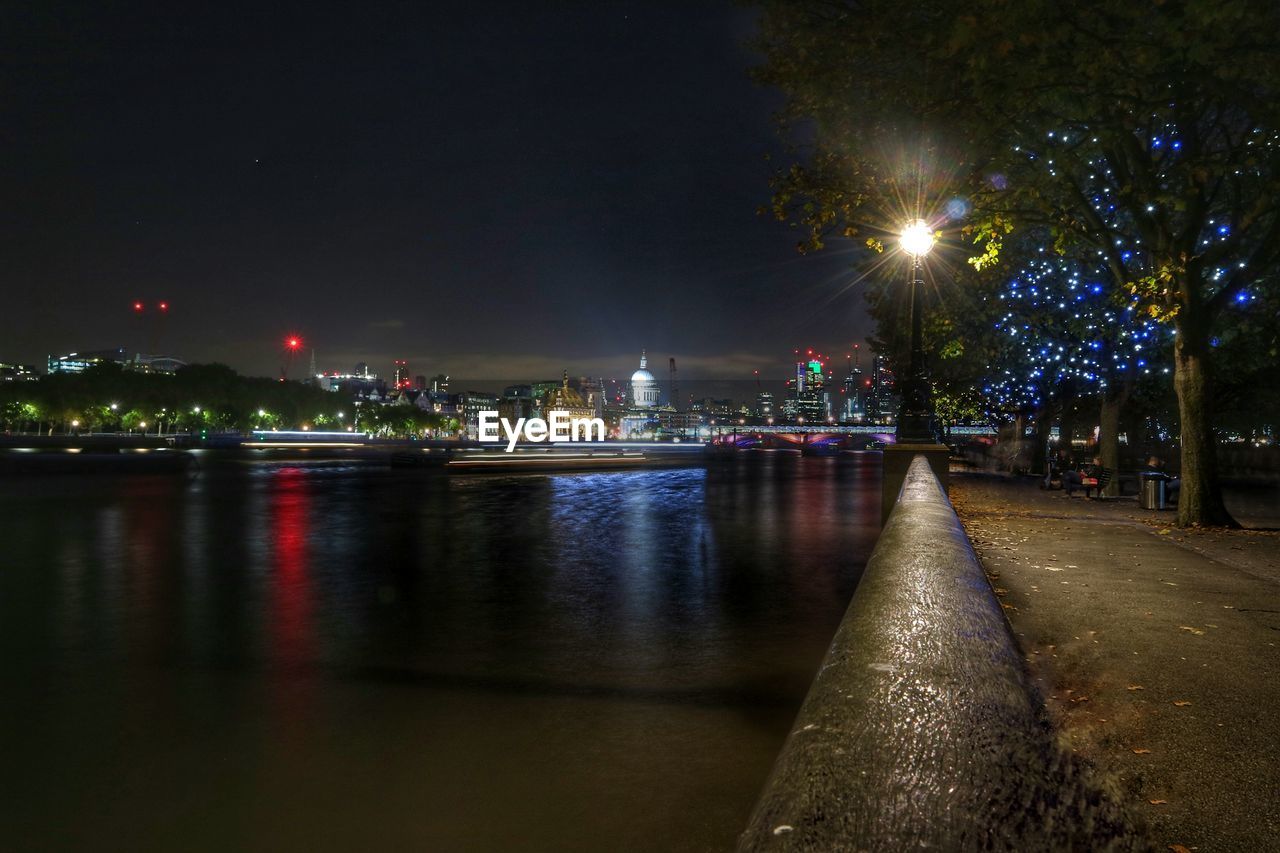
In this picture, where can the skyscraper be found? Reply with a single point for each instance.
(854, 405)
(882, 405)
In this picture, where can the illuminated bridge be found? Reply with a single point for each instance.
(828, 437)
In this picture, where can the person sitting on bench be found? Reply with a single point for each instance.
(1056, 466)
(1086, 478)
(1155, 465)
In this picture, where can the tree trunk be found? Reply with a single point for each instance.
(1113, 400)
(1067, 428)
(1040, 454)
(1200, 495)
(1067, 421)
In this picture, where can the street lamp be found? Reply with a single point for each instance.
(915, 415)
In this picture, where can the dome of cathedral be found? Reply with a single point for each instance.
(644, 388)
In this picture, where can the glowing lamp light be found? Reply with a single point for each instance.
(163, 306)
(137, 306)
(293, 343)
(916, 238)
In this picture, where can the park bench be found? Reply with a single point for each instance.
(1127, 482)
(1098, 483)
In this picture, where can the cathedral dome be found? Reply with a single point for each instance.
(644, 388)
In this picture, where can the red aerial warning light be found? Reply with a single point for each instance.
(293, 343)
(163, 306)
(137, 306)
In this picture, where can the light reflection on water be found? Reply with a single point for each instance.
(309, 656)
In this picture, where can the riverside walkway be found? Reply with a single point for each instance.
(1157, 651)
(922, 729)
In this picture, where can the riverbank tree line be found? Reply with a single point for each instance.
(199, 398)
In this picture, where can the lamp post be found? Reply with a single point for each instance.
(915, 415)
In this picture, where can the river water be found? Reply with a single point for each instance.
(291, 656)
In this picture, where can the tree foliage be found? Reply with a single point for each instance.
(209, 397)
(1146, 135)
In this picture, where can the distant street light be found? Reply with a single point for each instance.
(915, 415)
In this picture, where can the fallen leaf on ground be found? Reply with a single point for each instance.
(1182, 703)
(1142, 752)
(1178, 848)
(1195, 631)
(1136, 687)
(1158, 802)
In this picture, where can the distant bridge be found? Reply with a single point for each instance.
(819, 437)
(834, 429)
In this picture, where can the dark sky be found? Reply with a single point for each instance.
(487, 190)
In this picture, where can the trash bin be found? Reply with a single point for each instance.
(1151, 494)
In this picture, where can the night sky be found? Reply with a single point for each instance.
(487, 190)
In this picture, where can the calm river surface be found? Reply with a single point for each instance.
(280, 656)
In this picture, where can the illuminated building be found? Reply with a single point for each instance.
(645, 393)
(593, 392)
(566, 399)
(764, 404)
(470, 405)
(854, 406)
(400, 377)
(809, 398)
(157, 363)
(358, 384)
(882, 404)
(17, 372)
(78, 362)
(517, 402)
(437, 402)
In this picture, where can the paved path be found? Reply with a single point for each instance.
(1158, 651)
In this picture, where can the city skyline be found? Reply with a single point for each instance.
(563, 202)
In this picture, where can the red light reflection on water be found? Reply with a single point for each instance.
(290, 617)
